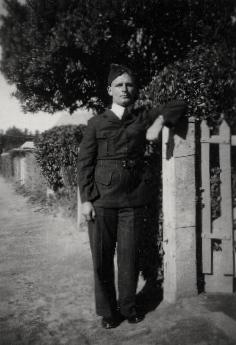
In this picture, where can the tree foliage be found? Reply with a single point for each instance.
(57, 153)
(206, 79)
(58, 52)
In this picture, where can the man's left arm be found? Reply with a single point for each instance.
(167, 115)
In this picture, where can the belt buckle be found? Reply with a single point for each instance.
(129, 164)
(124, 164)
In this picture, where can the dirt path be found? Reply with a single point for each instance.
(46, 289)
(46, 278)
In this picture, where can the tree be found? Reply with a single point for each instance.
(58, 52)
(13, 137)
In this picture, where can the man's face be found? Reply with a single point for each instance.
(122, 90)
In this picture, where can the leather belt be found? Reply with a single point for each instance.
(124, 163)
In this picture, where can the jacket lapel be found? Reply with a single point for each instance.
(129, 116)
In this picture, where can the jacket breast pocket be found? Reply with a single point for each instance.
(102, 147)
(106, 146)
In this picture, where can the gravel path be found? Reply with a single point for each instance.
(46, 290)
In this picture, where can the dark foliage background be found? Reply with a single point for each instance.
(58, 52)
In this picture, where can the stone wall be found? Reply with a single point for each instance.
(22, 167)
(6, 165)
(33, 177)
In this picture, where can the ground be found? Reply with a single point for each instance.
(46, 290)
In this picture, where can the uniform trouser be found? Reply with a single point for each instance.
(122, 227)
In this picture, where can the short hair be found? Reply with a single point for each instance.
(117, 70)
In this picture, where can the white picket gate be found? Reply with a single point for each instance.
(218, 266)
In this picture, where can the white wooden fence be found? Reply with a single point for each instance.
(218, 266)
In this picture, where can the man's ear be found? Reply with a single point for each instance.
(109, 90)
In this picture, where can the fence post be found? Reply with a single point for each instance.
(179, 212)
(79, 218)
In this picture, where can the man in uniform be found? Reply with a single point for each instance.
(115, 185)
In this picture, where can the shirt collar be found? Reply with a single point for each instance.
(118, 110)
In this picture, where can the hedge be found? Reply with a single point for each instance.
(205, 79)
(57, 153)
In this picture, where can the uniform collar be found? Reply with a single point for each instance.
(127, 118)
(118, 110)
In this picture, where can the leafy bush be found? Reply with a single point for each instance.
(205, 79)
(56, 154)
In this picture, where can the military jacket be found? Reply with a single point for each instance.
(111, 166)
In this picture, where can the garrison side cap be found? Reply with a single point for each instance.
(117, 70)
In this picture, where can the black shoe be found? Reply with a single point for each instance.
(112, 322)
(136, 318)
(108, 323)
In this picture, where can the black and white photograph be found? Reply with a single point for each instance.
(117, 172)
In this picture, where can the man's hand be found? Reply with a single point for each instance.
(88, 211)
(154, 131)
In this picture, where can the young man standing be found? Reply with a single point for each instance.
(115, 185)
